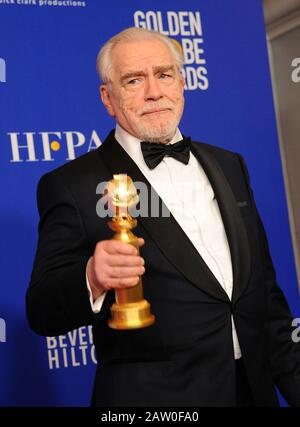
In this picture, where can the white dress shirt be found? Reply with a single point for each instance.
(187, 193)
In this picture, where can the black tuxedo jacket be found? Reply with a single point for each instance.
(186, 358)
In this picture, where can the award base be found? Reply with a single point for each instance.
(134, 315)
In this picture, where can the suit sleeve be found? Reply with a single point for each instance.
(284, 354)
(57, 299)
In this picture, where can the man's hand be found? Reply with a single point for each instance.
(114, 265)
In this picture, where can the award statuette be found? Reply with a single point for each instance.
(131, 310)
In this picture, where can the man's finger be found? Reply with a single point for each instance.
(126, 282)
(141, 241)
(125, 260)
(126, 272)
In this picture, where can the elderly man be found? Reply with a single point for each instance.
(222, 335)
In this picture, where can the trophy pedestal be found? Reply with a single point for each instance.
(133, 315)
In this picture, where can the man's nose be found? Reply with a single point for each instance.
(153, 89)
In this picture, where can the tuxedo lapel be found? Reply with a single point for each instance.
(233, 223)
(164, 230)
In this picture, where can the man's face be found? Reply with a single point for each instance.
(145, 94)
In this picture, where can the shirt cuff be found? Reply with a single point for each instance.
(97, 304)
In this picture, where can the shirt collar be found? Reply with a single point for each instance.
(132, 145)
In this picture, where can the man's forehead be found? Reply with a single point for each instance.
(133, 58)
(129, 51)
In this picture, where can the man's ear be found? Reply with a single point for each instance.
(105, 97)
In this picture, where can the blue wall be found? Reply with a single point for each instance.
(49, 92)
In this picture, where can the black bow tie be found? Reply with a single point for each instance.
(154, 152)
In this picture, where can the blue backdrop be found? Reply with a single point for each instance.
(50, 112)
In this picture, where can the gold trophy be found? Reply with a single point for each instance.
(131, 310)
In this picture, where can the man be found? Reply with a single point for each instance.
(222, 335)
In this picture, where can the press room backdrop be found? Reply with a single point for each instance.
(50, 113)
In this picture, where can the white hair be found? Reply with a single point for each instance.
(132, 34)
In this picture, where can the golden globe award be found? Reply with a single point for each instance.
(131, 310)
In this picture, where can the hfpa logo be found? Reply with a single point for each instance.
(43, 146)
(2, 71)
(2, 330)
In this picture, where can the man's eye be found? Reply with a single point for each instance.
(165, 76)
(132, 81)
